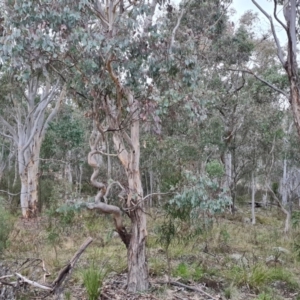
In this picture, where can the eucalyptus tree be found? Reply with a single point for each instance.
(33, 97)
(131, 67)
(124, 64)
(107, 45)
(288, 62)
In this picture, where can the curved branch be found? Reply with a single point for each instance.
(174, 32)
(278, 46)
(277, 19)
(56, 109)
(113, 210)
(120, 195)
(263, 81)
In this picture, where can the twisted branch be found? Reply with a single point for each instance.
(103, 207)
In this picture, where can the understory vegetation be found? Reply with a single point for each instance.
(149, 149)
(230, 258)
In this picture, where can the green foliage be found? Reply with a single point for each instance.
(215, 169)
(53, 238)
(6, 185)
(295, 219)
(6, 225)
(182, 271)
(275, 187)
(234, 49)
(198, 194)
(188, 272)
(92, 281)
(64, 134)
(224, 236)
(166, 233)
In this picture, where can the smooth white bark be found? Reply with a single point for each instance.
(27, 127)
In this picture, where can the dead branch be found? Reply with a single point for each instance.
(67, 270)
(33, 283)
(176, 283)
(272, 86)
(62, 275)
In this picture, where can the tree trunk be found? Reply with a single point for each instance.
(28, 170)
(137, 263)
(284, 191)
(253, 199)
(68, 168)
(151, 184)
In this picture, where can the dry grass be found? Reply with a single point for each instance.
(206, 259)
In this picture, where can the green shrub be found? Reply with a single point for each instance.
(182, 271)
(214, 169)
(92, 281)
(188, 272)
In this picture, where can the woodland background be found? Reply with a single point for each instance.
(148, 110)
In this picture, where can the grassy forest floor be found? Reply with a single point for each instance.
(232, 260)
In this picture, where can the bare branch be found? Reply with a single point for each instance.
(32, 90)
(104, 153)
(33, 283)
(174, 31)
(6, 276)
(127, 139)
(99, 12)
(56, 109)
(7, 136)
(176, 283)
(9, 128)
(109, 187)
(263, 80)
(50, 96)
(10, 194)
(67, 270)
(278, 46)
(135, 205)
(277, 19)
